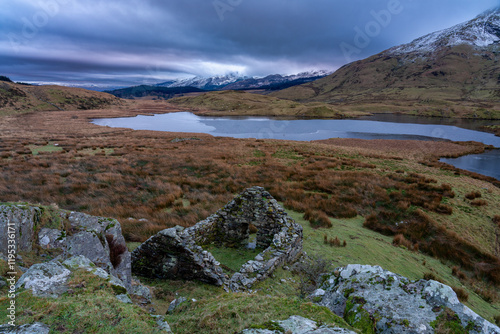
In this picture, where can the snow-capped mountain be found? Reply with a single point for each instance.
(278, 80)
(447, 73)
(481, 32)
(211, 83)
(237, 81)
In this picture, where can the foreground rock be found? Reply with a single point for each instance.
(50, 279)
(178, 253)
(296, 325)
(98, 239)
(378, 301)
(35, 328)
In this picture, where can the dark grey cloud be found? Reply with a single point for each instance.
(136, 41)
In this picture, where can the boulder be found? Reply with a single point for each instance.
(378, 301)
(45, 279)
(175, 303)
(49, 279)
(162, 323)
(20, 220)
(34, 328)
(296, 325)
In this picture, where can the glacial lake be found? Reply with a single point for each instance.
(372, 127)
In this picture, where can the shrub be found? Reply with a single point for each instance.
(310, 272)
(462, 295)
(115, 250)
(430, 276)
(497, 320)
(479, 202)
(496, 220)
(455, 271)
(473, 195)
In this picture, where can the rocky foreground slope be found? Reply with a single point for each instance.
(78, 258)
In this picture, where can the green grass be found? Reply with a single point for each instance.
(233, 258)
(49, 148)
(229, 313)
(91, 308)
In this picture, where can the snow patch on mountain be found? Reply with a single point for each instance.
(237, 81)
(481, 32)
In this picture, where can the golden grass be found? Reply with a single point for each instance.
(150, 181)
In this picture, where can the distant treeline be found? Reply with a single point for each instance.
(144, 90)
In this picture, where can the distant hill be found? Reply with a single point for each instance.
(240, 103)
(152, 91)
(451, 73)
(18, 97)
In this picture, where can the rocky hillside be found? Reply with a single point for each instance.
(454, 72)
(15, 98)
(72, 274)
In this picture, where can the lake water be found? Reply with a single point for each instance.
(373, 127)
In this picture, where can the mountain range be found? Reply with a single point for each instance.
(453, 72)
(235, 81)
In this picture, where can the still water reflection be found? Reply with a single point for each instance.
(374, 127)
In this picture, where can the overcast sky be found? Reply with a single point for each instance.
(129, 42)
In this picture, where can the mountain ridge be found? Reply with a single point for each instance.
(235, 81)
(434, 75)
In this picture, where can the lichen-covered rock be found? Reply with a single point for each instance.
(18, 220)
(296, 325)
(45, 279)
(140, 292)
(175, 303)
(178, 253)
(162, 323)
(34, 328)
(124, 298)
(378, 301)
(81, 262)
(98, 239)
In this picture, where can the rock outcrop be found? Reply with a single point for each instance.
(296, 325)
(72, 233)
(378, 301)
(49, 279)
(178, 253)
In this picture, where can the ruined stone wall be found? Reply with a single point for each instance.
(177, 253)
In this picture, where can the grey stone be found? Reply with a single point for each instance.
(51, 238)
(96, 238)
(140, 291)
(162, 323)
(17, 220)
(175, 303)
(2, 282)
(124, 298)
(299, 325)
(400, 305)
(34, 328)
(45, 279)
